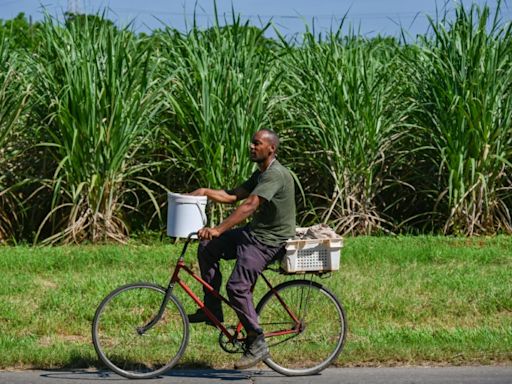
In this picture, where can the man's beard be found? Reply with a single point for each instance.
(256, 159)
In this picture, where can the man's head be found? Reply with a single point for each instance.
(264, 145)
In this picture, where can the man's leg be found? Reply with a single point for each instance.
(209, 254)
(252, 257)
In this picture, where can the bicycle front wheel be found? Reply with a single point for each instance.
(317, 338)
(126, 343)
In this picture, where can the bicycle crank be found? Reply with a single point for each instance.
(235, 346)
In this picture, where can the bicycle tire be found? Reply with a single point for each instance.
(318, 344)
(116, 336)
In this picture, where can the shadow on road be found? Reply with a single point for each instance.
(218, 374)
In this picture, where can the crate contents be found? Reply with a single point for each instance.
(306, 254)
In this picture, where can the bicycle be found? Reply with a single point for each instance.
(141, 330)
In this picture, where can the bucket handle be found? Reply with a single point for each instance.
(203, 215)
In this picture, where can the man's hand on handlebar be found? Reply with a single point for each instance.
(208, 233)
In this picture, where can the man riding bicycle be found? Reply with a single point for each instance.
(269, 198)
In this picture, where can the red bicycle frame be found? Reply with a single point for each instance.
(175, 279)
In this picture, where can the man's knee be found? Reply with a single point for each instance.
(241, 282)
(238, 288)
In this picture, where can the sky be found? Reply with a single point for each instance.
(368, 17)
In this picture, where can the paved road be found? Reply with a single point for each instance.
(449, 375)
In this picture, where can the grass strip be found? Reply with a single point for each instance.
(409, 300)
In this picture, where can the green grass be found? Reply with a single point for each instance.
(409, 300)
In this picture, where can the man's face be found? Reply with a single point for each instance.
(261, 148)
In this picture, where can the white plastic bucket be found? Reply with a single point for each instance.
(185, 214)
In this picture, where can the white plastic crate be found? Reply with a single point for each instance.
(310, 255)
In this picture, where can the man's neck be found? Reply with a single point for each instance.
(263, 166)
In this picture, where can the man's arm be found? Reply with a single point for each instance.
(222, 196)
(240, 214)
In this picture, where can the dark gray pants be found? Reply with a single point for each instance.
(251, 257)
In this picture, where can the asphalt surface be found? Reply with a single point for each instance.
(448, 375)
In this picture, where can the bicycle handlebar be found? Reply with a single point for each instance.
(187, 242)
(189, 237)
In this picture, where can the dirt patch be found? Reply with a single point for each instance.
(47, 341)
(45, 283)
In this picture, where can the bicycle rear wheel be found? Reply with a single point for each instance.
(118, 337)
(317, 342)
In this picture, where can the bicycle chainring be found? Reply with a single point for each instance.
(231, 347)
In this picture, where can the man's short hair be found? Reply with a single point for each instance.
(272, 137)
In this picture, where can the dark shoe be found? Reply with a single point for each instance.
(200, 317)
(256, 350)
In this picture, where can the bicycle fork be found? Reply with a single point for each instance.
(142, 330)
(168, 293)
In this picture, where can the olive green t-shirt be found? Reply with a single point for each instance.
(274, 221)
